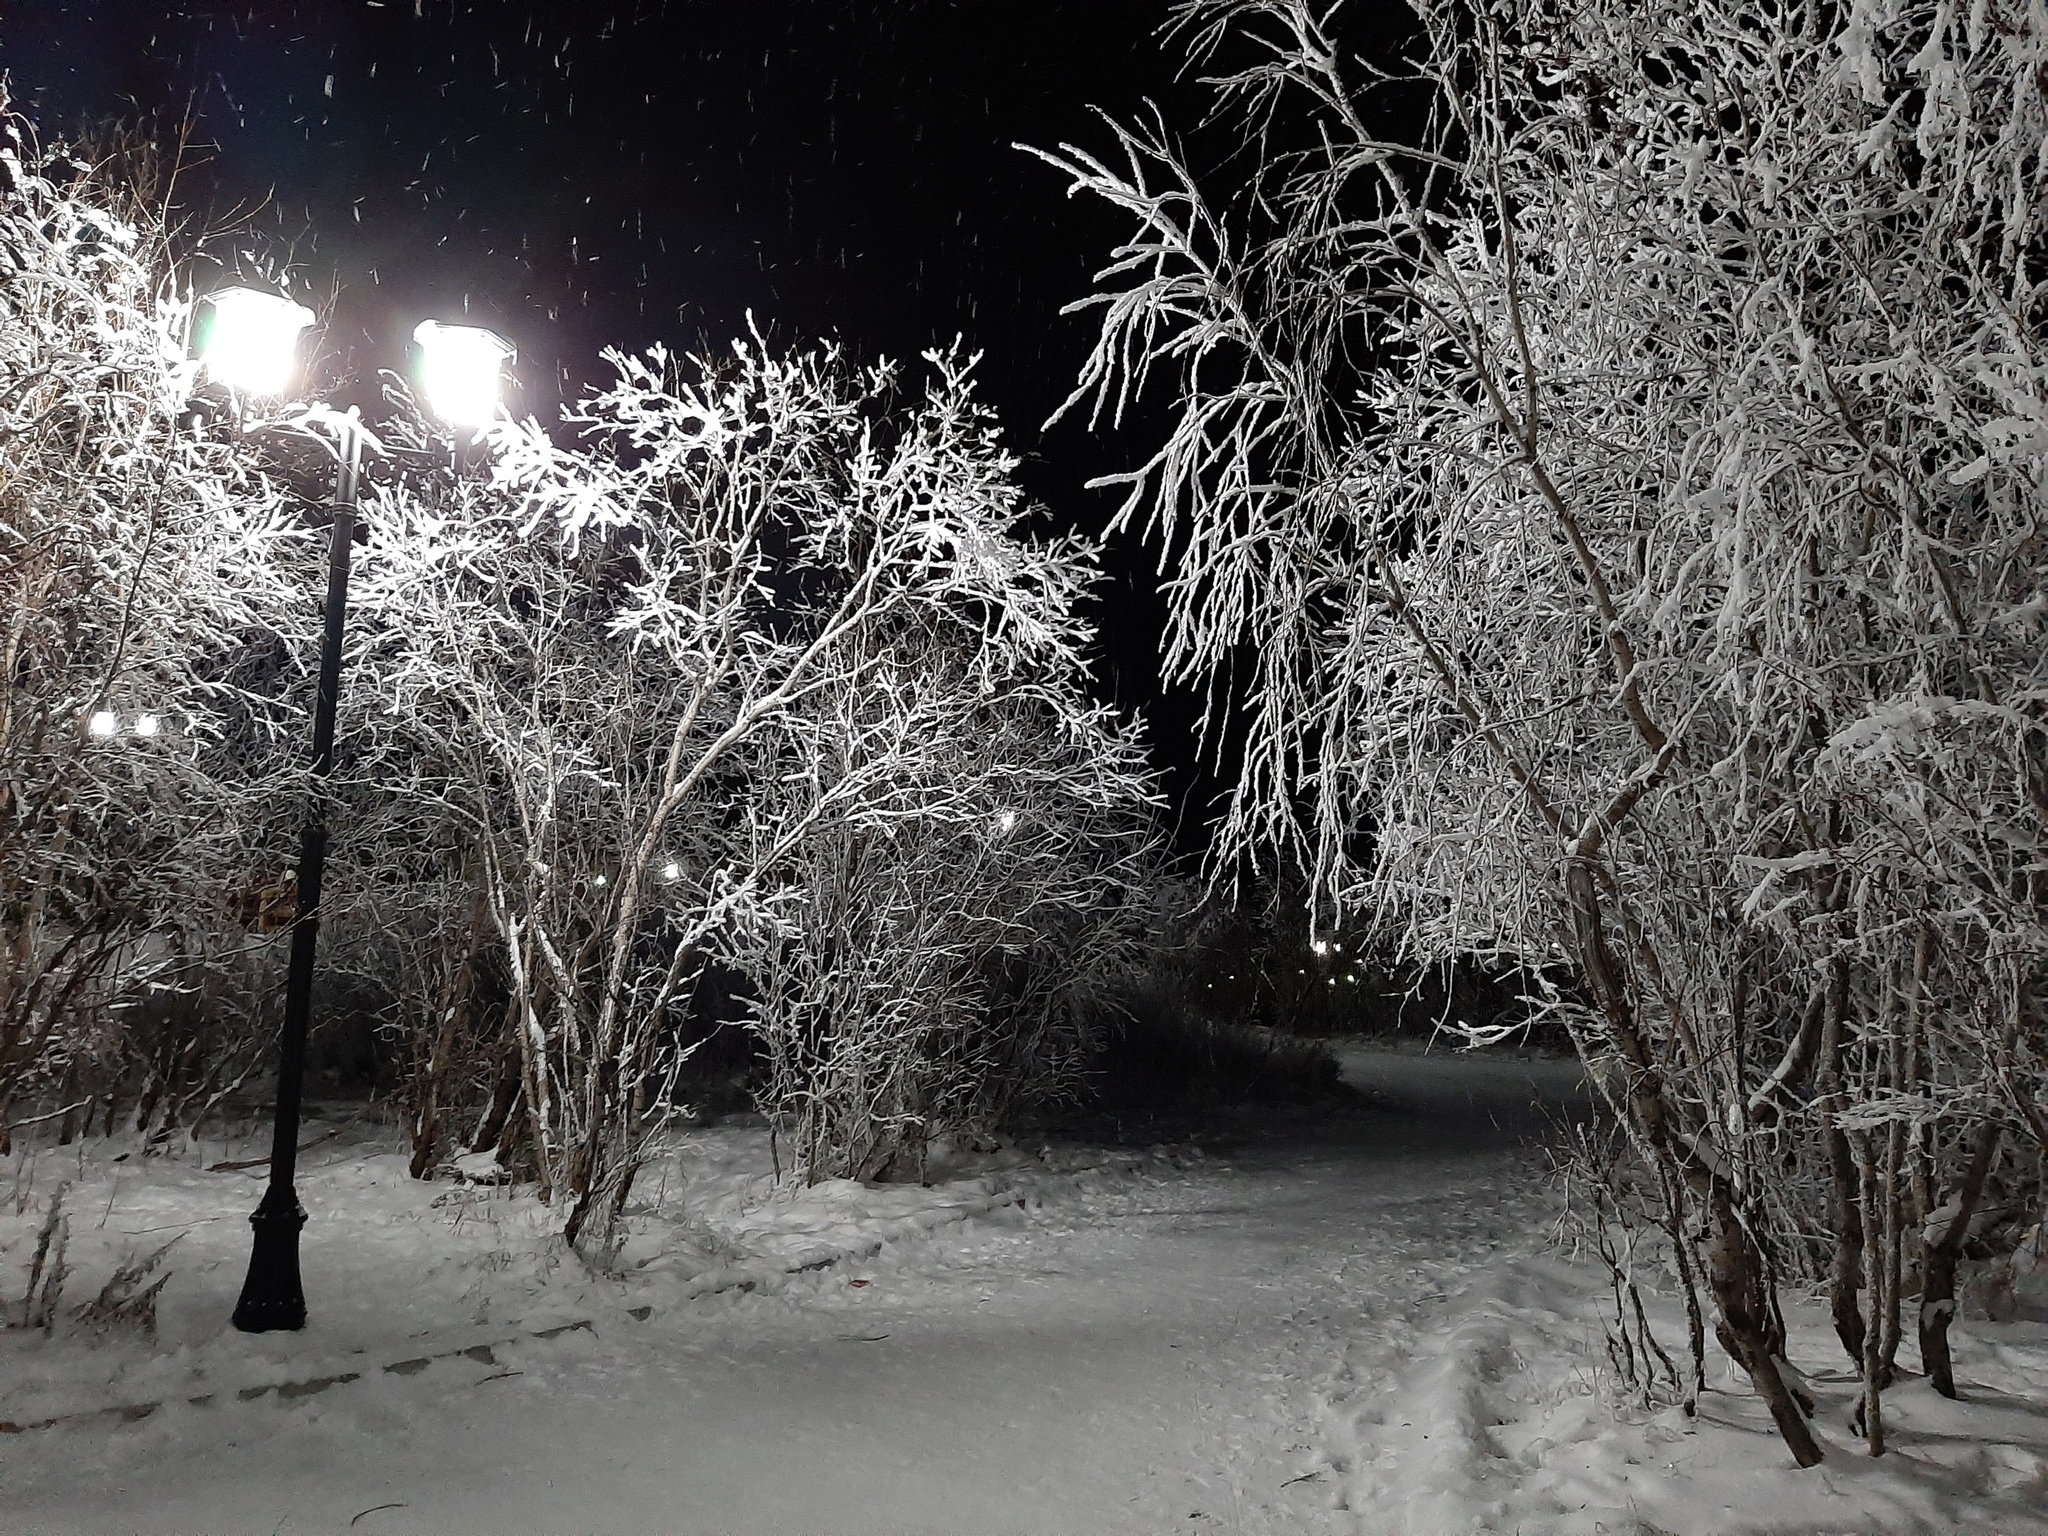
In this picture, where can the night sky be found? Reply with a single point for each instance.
(613, 173)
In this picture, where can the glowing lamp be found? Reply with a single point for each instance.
(104, 722)
(461, 368)
(148, 725)
(249, 340)
(1007, 821)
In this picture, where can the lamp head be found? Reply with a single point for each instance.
(249, 340)
(461, 370)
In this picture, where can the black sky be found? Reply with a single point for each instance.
(614, 172)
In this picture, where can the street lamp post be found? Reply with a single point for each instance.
(250, 346)
(272, 1296)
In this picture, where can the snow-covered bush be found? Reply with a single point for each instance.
(641, 682)
(1626, 493)
(962, 913)
(143, 558)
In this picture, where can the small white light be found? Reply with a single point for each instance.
(104, 722)
(461, 368)
(601, 882)
(147, 725)
(1007, 821)
(671, 871)
(1320, 946)
(249, 340)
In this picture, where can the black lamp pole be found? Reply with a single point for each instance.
(272, 1297)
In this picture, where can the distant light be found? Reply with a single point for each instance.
(461, 369)
(601, 882)
(1320, 946)
(104, 722)
(1007, 821)
(671, 871)
(249, 340)
(147, 725)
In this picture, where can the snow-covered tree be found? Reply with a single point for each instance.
(622, 670)
(144, 565)
(1627, 490)
(961, 913)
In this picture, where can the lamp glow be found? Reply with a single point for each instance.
(461, 369)
(104, 722)
(249, 340)
(671, 871)
(1007, 821)
(148, 725)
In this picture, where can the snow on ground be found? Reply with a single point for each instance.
(1351, 1323)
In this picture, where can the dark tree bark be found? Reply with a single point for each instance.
(1938, 1287)
(453, 1007)
(1846, 1276)
(1737, 1273)
(505, 1087)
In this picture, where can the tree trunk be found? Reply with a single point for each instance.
(1847, 1273)
(1920, 1147)
(1938, 1286)
(68, 1131)
(588, 1163)
(454, 1011)
(504, 1094)
(1736, 1272)
(1894, 1212)
(1894, 1249)
(1695, 1325)
(1872, 1363)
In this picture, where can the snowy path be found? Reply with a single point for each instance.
(1355, 1332)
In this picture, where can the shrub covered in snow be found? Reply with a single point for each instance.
(761, 672)
(961, 920)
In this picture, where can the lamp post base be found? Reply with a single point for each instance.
(272, 1297)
